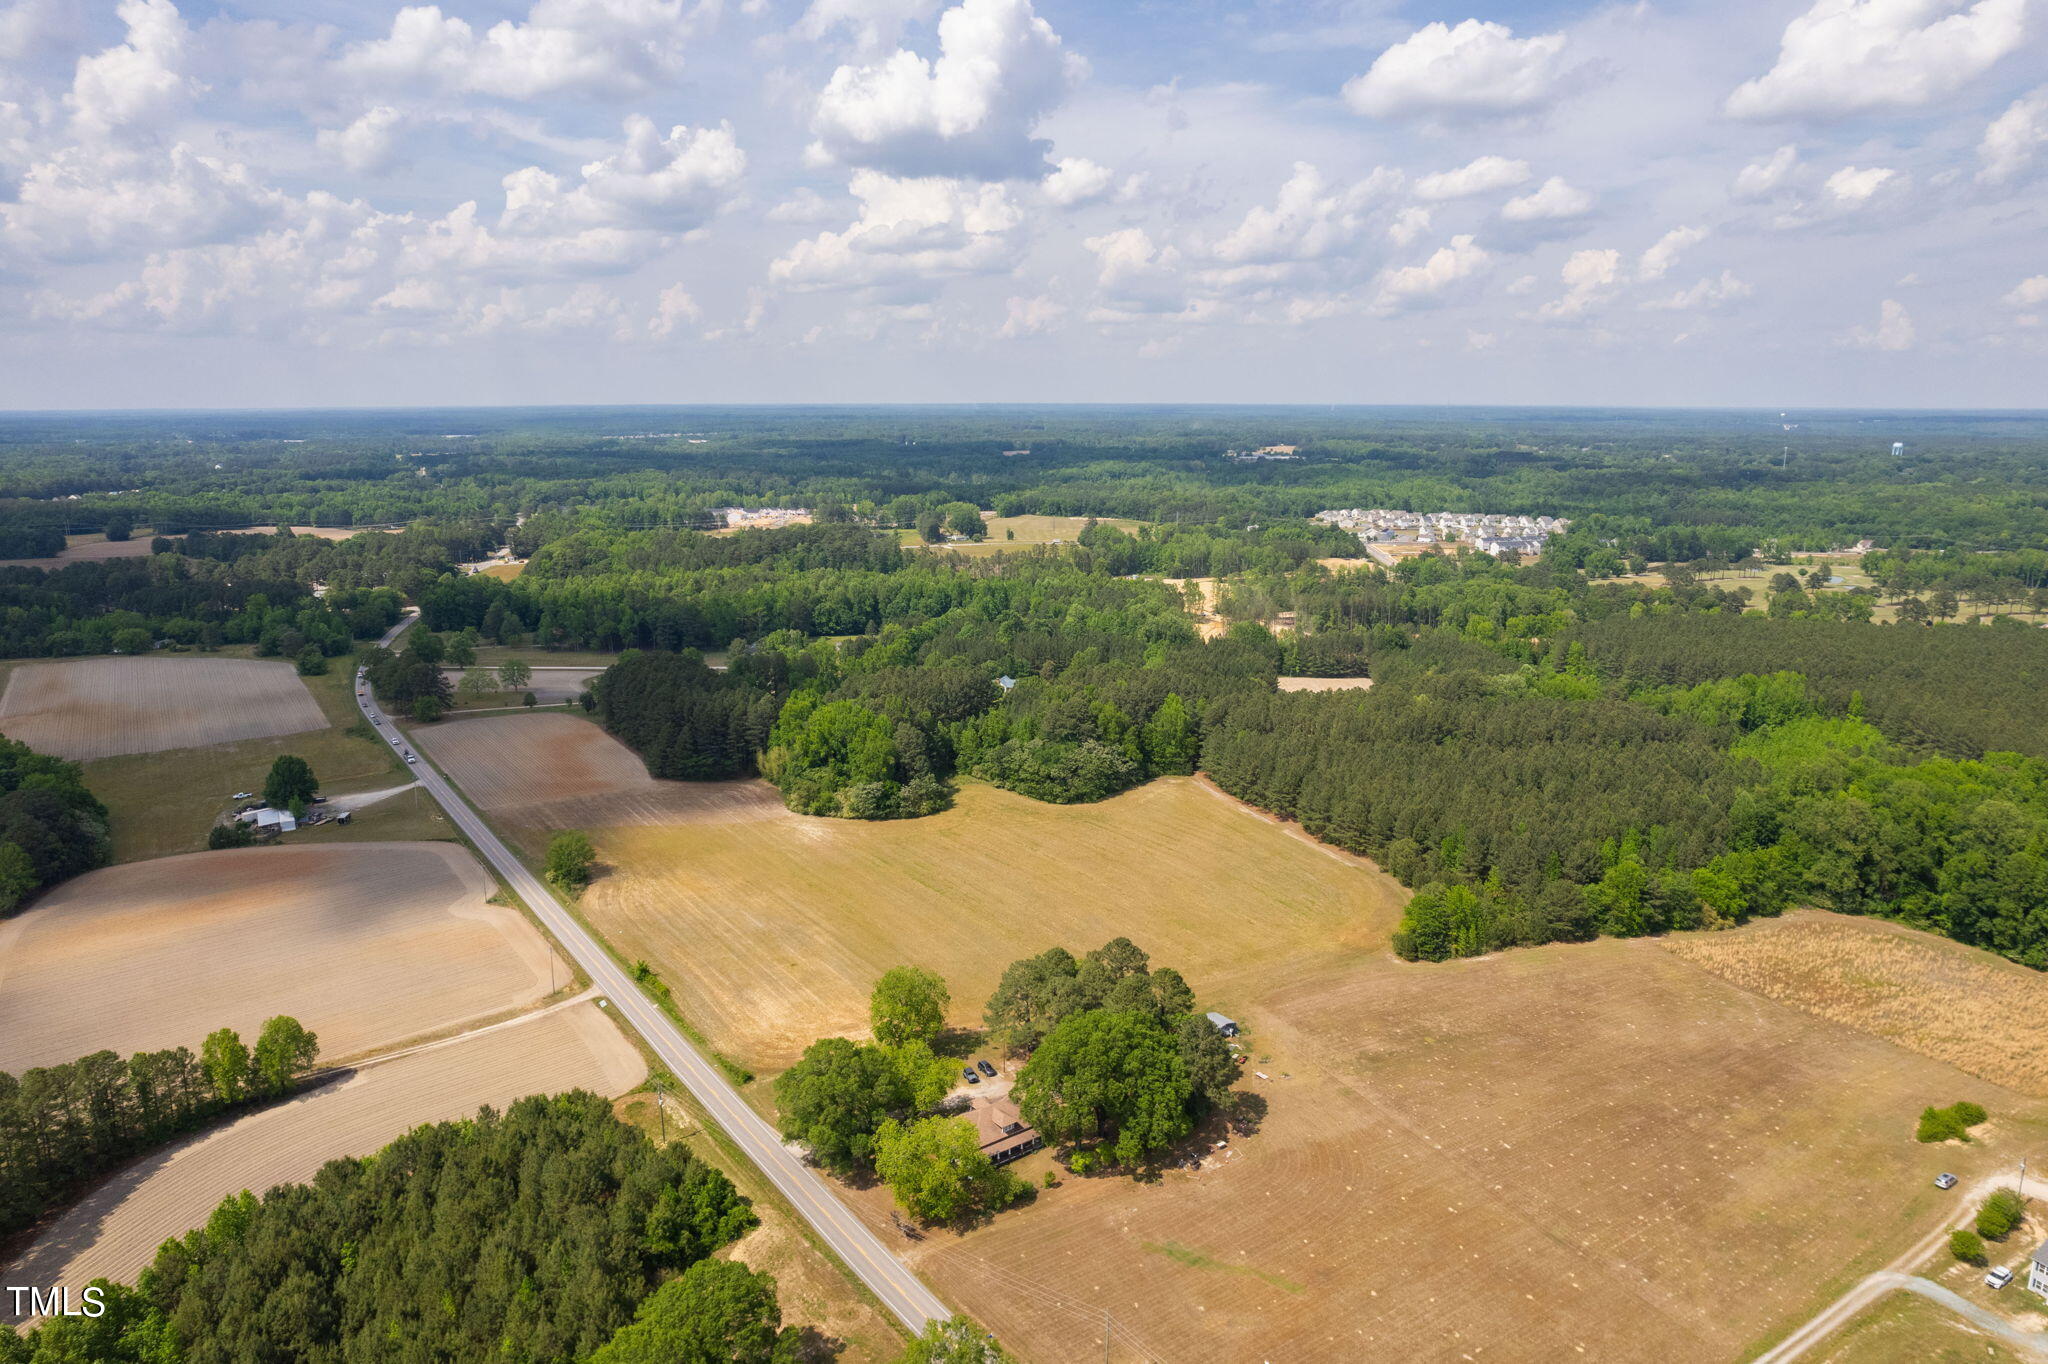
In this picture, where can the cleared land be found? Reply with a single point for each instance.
(1325, 683)
(116, 1230)
(551, 686)
(163, 803)
(1978, 1012)
(1027, 530)
(100, 707)
(1592, 1151)
(367, 944)
(537, 774)
(771, 931)
(87, 549)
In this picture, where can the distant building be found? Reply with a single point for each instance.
(1898, 448)
(1012, 454)
(1226, 1026)
(1006, 682)
(2037, 1271)
(1004, 1133)
(268, 820)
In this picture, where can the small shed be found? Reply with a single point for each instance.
(275, 821)
(1226, 1026)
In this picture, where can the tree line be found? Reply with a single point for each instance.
(62, 1127)
(51, 827)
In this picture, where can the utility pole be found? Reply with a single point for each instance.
(2023, 1179)
(1106, 1328)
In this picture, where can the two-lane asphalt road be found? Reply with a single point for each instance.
(900, 1290)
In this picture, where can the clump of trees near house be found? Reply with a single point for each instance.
(553, 1227)
(1949, 1124)
(1122, 1063)
(61, 1127)
(2002, 1212)
(51, 827)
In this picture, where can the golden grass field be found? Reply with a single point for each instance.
(1976, 1011)
(1020, 532)
(1324, 683)
(1578, 1152)
(1905, 1328)
(98, 707)
(538, 774)
(367, 944)
(116, 1229)
(1596, 1151)
(771, 928)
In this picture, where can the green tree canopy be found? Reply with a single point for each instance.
(1114, 1078)
(956, 1340)
(284, 1055)
(569, 860)
(714, 1312)
(836, 1096)
(936, 1169)
(908, 1005)
(225, 1060)
(291, 779)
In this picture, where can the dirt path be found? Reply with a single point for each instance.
(355, 802)
(1874, 1286)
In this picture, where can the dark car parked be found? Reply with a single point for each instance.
(968, 1072)
(987, 1069)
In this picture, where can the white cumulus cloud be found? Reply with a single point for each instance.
(1553, 200)
(1846, 56)
(139, 80)
(1656, 260)
(2029, 293)
(583, 46)
(367, 145)
(971, 111)
(911, 233)
(1418, 285)
(1481, 176)
(1853, 186)
(1474, 67)
(1761, 179)
(1077, 180)
(1894, 329)
(2012, 140)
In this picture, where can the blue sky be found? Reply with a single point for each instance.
(309, 202)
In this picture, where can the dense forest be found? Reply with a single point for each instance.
(534, 1236)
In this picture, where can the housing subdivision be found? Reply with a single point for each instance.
(1487, 532)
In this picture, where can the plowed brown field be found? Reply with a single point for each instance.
(367, 944)
(535, 774)
(116, 1230)
(1581, 1152)
(79, 549)
(98, 707)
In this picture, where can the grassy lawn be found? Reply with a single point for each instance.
(1906, 1326)
(163, 803)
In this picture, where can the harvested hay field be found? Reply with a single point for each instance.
(100, 707)
(771, 931)
(1027, 530)
(116, 1229)
(1585, 1152)
(1325, 683)
(367, 944)
(538, 774)
(83, 549)
(1978, 1012)
(551, 686)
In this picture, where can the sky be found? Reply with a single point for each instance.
(287, 203)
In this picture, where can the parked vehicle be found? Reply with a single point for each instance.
(971, 1077)
(987, 1069)
(1944, 1180)
(1999, 1277)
